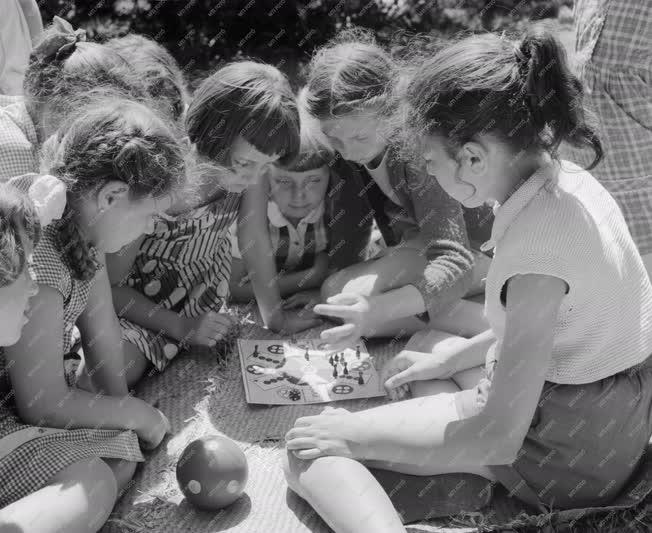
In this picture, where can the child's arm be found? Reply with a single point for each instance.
(134, 306)
(256, 249)
(415, 432)
(102, 339)
(42, 396)
(288, 284)
(33, 18)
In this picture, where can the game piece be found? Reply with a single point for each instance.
(212, 472)
(360, 378)
(281, 374)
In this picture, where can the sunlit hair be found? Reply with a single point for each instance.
(157, 69)
(110, 139)
(315, 150)
(248, 99)
(350, 74)
(521, 91)
(17, 215)
(56, 79)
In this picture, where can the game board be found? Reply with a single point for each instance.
(277, 372)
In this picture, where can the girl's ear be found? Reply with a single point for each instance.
(474, 157)
(111, 193)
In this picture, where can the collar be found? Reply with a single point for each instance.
(276, 218)
(546, 176)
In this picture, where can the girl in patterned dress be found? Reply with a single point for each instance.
(119, 161)
(170, 287)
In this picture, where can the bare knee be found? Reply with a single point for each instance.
(123, 471)
(291, 469)
(100, 487)
(136, 364)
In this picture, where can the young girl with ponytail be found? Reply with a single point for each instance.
(561, 412)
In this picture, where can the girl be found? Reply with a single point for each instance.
(160, 73)
(303, 221)
(430, 265)
(170, 287)
(63, 68)
(563, 413)
(118, 161)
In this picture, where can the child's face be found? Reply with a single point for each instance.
(247, 165)
(298, 193)
(357, 137)
(119, 219)
(456, 177)
(14, 302)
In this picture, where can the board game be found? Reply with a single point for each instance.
(277, 372)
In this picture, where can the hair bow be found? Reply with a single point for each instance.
(60, 41)
(48, 194)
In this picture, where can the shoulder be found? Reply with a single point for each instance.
(48, 267)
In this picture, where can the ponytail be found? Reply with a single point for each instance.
(554, 93)
(524, 92)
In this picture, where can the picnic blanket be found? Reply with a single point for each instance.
(202, 395)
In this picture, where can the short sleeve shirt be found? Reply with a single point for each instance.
(49, 269)
(18, 141)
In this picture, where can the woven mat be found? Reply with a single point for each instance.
(203, 396)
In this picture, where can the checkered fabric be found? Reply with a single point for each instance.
(614, 60)
(49, 269)
(30, 467)
(18, 142)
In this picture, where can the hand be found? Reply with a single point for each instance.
(207, 329)
(354, 310)
(154, 429)
(407, 366)
(303, 299)
(333, 432)
(288, 322)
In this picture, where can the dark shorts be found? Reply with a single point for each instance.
(424, 497)
(584, 442)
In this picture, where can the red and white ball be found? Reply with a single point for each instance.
(212, 472)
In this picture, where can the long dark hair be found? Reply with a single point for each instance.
(249, 99)
(523, 91)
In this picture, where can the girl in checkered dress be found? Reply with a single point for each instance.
(170, 287)
(119, 161)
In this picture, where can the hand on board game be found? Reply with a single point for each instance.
(407, 366)
(333, 432)
(207, 329)
(353, 309)
(302, 299)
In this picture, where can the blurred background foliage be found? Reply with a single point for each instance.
(201, 34)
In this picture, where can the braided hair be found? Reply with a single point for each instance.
(111, 138)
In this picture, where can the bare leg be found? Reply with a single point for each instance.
(77, 500)
(136, 364)
(344, 494)
(123, 471)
